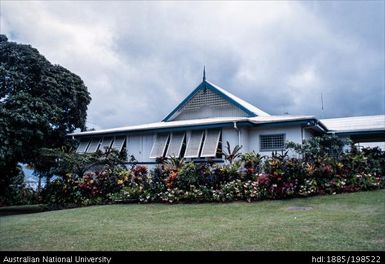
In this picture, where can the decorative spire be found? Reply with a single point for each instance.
(204, 73)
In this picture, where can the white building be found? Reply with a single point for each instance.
(208, 117)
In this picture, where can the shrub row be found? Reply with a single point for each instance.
(250, 178)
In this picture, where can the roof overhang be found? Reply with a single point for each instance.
(375, 135)
(197, 124)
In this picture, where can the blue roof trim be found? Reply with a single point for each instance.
(196, 90)
(207, 85)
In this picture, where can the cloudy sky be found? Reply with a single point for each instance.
(140, 59)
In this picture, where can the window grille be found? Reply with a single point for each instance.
(272, 142)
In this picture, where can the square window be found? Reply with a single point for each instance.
(272, 142)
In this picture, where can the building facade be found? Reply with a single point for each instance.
(210, 116)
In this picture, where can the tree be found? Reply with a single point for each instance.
(314, 148)
(39, 104)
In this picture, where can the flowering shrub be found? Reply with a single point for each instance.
(308, 188)
(253, 192)
(232, 191)
(171, 195)
(367, 181)
(62, 191)
(103, 182)
(251, 178)
(171, 179)
(188, 177)
(138, 174)
(133, 193)
(194, 194)
(252, 163)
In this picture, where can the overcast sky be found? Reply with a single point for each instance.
(140, 59)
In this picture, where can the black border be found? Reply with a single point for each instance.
(354, 257)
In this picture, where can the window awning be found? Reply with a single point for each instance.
(106, 144)
(82, 146)
(175, 145)
(194, 144)
(210, 146)
(118, 143)
(94, 145)
(159, 146)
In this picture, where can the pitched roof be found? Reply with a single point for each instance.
(355, 123)
(240, 101)
(234, 100)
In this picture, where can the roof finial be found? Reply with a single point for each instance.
(204, 73)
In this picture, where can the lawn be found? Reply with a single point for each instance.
(354, 221)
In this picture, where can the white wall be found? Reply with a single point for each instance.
(134, 146)
(292, 134)
(235, 137)
(230, 135)
(140, 146)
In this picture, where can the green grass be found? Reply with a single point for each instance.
(353, 221)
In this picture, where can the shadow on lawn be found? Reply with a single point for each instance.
(23, 209)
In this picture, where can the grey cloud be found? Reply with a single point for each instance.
(140, 59)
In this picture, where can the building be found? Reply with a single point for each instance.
(210, 116)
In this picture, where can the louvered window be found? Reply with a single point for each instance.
(194, 144)
(159, 147)
(106, 144)
(82, 146)
(175, 145)
(94, 145)
(118, 143)
(210, 145)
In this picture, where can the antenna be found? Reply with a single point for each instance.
(322, 102)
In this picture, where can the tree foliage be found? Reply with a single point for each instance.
(39, 104)
(326, 146)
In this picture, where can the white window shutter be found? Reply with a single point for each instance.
(175, 145)
(94, 145)
(82, 146)
(159, 146)
(118, 143)
(210, 146)
(194, 144)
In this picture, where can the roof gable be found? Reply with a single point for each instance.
(239, 106)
